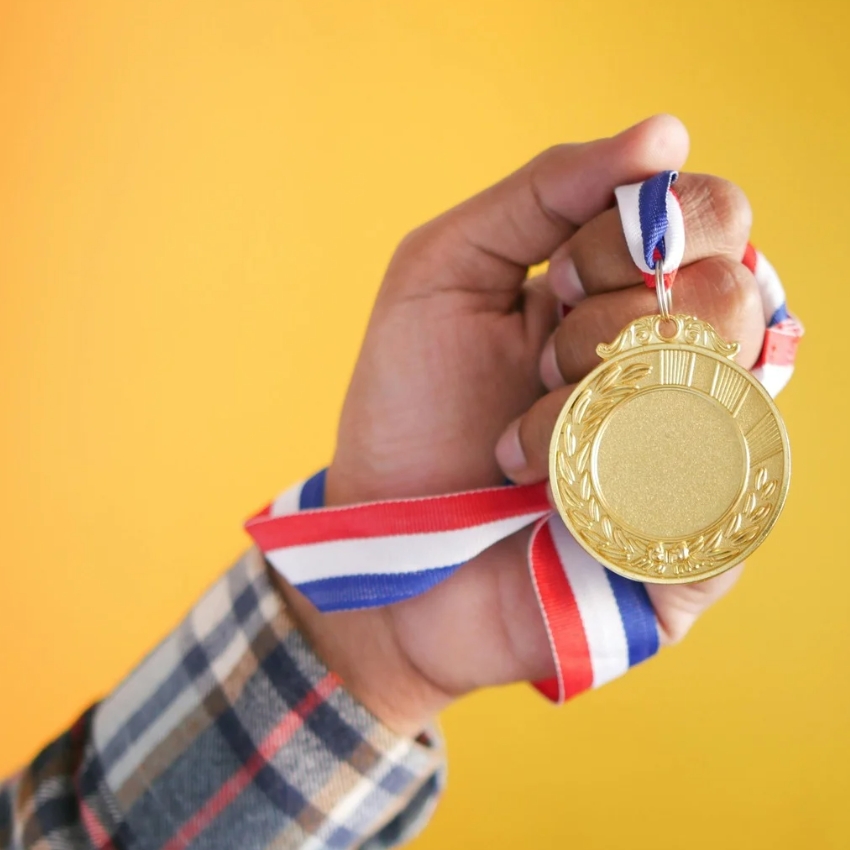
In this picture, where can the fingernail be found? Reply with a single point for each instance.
(509, 453)
(550, 374)
(566, 283)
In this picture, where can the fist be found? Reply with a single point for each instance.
(462, 373)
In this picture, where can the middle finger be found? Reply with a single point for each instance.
(720, 291)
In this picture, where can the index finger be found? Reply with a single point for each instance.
(487, 243)
(596, 259)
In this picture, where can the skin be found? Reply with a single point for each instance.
(462, 373)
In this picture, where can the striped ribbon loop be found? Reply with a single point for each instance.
(653, 225)
(599, 623)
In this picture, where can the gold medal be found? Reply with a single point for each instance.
(669, 463)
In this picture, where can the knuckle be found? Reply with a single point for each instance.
(733, 210)
(750, 313)
(550, 155)
(738, 306)
(549, 164)
(749, 297)
(736, 286)
(729, 217)
(419, 255)
(419, 242)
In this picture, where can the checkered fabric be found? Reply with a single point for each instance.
(230, 734)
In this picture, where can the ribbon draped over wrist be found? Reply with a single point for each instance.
(361, 556)
(599, 624)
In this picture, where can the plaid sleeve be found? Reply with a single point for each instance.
(231, 733)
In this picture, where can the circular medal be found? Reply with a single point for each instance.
(669, 463)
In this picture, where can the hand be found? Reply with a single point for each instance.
(452, 358)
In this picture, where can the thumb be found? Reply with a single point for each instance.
(487, 243)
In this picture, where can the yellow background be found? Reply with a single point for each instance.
(197, 201)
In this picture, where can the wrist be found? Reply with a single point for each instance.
(359, 647)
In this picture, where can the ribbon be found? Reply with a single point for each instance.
(599, 624)
(653, 225)
(361, 556)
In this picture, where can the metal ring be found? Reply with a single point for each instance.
(662, 293)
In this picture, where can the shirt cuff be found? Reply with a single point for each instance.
(233, 733)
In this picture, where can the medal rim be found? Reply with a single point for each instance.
(629, 353)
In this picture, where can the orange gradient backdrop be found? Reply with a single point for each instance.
(197, 201)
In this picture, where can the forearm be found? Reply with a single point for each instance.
(231, 733)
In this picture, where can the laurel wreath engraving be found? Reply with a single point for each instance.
(719, 545)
